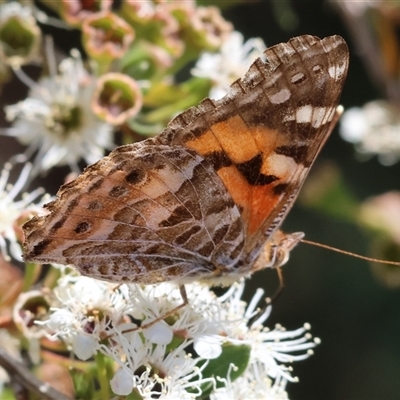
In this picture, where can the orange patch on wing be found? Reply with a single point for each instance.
(239, 141)
(232, 136)
(204, 144)
(256, 202)
(267, 139)
(236, 185)
(236, 139)
(263, 202)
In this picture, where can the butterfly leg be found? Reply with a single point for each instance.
(184, 303)
(279, 290)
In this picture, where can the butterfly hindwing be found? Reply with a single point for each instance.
(145, 213)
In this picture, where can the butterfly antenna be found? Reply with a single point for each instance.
(349, 253)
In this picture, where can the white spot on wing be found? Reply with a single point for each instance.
(304, 114)
(279, 165)
(330, 45)
(337, 71)
(297, 77)
(316, 116)
(317, 69)
(280, 97)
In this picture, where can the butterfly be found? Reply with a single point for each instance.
(203, 200)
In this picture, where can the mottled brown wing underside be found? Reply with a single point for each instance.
(145, 214)
(200, 200)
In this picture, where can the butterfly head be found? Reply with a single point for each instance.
(277, 250)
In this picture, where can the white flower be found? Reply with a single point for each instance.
(12, 209)
(84, 306)
(84, 346)
(122, 382)
(168, 358)
(254, 384)
(229, 64)
(30, 307)
(270, 349)
(159, 333)
(375, 129)
(56, 120)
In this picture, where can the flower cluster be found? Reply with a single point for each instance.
(14, 212)
(139, 65)
(207, 347)
(128, 84)
(374, 129)
(56, 121)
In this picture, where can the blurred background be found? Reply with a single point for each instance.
(352, 306)
(356, 315)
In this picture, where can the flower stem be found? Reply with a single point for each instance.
(103, 376)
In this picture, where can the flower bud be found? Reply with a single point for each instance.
(117, 98)
(203, 29)
(19, 35)
(75, 11)
(30, 307)
(106, 37)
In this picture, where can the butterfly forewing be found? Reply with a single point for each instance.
(264, 135)
(200, 201)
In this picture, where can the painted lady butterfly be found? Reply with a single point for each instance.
(204, 199)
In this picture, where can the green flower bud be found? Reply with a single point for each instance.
(117, 98)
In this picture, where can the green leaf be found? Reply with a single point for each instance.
(84, 383)
(32, 272)
(238, 355)
(168, 100)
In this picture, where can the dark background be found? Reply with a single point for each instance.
(357, 319)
